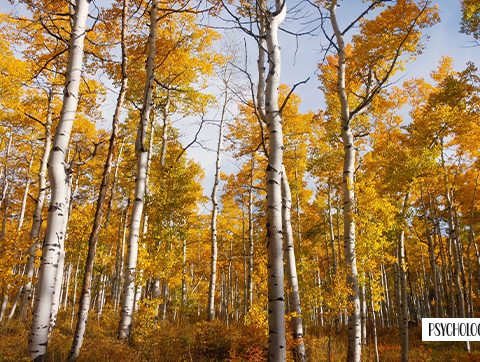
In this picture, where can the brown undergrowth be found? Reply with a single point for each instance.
(211, 341)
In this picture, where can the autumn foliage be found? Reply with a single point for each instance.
(406, 148)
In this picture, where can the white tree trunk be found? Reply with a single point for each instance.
(3, 306)
(101, 298)
(363, 313)
(262, 48)
(388, 304)
(295, 307)
(75, 279)
(38, 339)
(37, 213)
(114, 184)
(141, 151)
(6, 190)
(5, 181)
(276, 293)
(184, 273)
(60, 266)
(163, 151)
(165, 293)
(67, 287)
(21, 217)
(14, 304)
(403, 289)
(120, 260)
(213, 223)
(85, 296)
(354, 329)
(139, 279)
(6, 206)
(332, 232)
(250, 239)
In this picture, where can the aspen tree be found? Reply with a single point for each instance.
(403, 302)
(128, 299)
(85, 296)
(297, 324)
(249, 287)
(276, 293)
(213, 222)
(354, 329)
(38, 339)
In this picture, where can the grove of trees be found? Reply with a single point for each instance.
(165, 196)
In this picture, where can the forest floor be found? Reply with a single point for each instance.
(204, 341)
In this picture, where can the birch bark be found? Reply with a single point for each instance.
(60, 263)
(75, 279)
(184, 273)
(114, 183)
(354, 329)
(85, 296)
(250, 239)
(38, 338)
(332, 232)
(25, 195)
(21, 218)
(403, 305)
(276, 293)
(4, 304)
(128, 299)
(295, 306)
(363, 312)
(213, 225)
(67, 286)
(5, 169)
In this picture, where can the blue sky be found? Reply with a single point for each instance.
(300, 59)
(444, 38)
